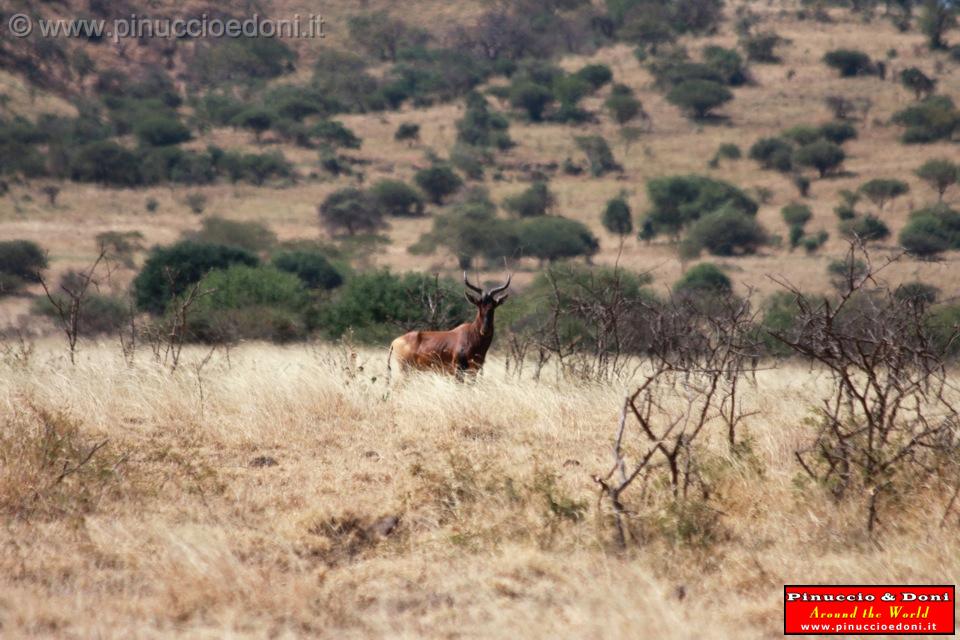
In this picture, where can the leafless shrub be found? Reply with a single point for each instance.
(701, 351)
(68, 308)
(167, 336)
(890, 421)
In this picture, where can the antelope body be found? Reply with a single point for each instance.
(461, 349)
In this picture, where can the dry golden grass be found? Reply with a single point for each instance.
(172, 529)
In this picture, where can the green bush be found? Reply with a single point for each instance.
(781, 316)
(773, 153)
(597, 75)
(931, 231)
(470, 229)
(251, 236)
(704, 279)
(917, 81)
(826, 157)
(917, 293)
(532, 98)
(249, 302)
(935, 118)
(849, 62)
(617, 217)
(377, 306)
(868, 228)
(160, 131)
(397, 198)
(333, 134)
(107, 163)
(940, 174)
(312, 267)
(728, 63)
(169, 271)
(470, 161)
(438, 182)
(880, 191)
(726, 232)
(481, 127)
(761, 47)
(255, 119)
(699, 97)
(550, 238)
(98, 314)
(351, 211)
(536, 200)
(796, 214)
(407, 132)
(622, 104)
(677, 201)
(598, 154)
(21, 261)
(838, 131)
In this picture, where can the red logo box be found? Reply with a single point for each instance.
(884, 609)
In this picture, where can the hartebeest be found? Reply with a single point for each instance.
(458, 350)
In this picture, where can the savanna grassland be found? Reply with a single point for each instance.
(286, 492)
(272, 480)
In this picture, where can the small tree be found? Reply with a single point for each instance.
(940, 174)
(868, 229)
(352, 211)
(550, 238)
(773, 153)
(532, 98)
(880, 191)
(255, 119)
(622, 104)
(536, 200)
(704, 278)
(438, 182)
(598, 154)
(699, 97)
(917, 81)
(312, 267)
(21, 261)
(617, 217)
(397, 198)
(161, 130)
(408, 132)
(937, 17)
(849, 62)
(822, 155)
(726, 232)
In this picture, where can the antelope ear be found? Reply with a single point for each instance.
(470, 298)
(502, 299)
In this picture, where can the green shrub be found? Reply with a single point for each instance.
(617, 217)
(98, 314)
(919, 293)
(470, 161)
(397, 198)
(773, 153)
(169, 271)
(550, 238)
(931, 231)
(598, 154)
(470, 229)
(726, 232)
(802, 134)
(378, 305)
(21, 261)
(532, 98)
(826, 157)
(940, 174)
(729, 151)
(704, 279)
(251, 236)
(868, 228)
(762, 47)
(622, 104)
(333, 134)
(351, 211)
(160, 130)
(438, 182)
(838, 131)
(407, 132)
(699, 97)
(935, 118)
(677, 201)
(917, 81)
(255, 119)
(252, 302)
(728, 63)
(880, 191)
(812, 243)
(481, 127)
(597, 75)
(536, 200)
(849, 62)
(106, 163)
(796, 215)
(312, 267)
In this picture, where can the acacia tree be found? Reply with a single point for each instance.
(352, 211)
(880, 191)
(940, 174)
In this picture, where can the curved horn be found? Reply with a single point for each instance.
(502, 287)
(470, 286)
